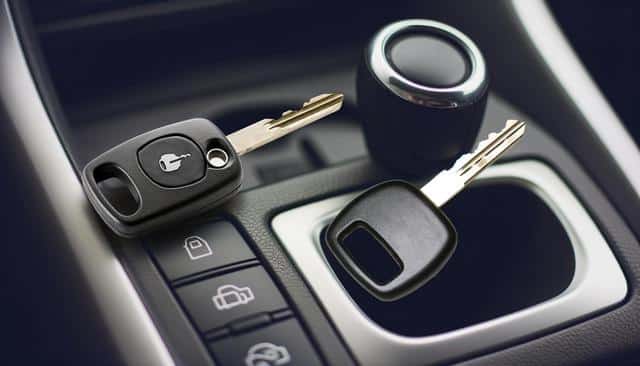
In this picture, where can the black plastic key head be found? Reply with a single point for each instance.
(164, 175)
(392, 239)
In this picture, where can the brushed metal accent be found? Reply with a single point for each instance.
(119, 305)
(598, 281)
(548, 39)
(465, 93)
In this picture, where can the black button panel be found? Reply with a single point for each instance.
(220, 300)
(231, 299)
(198, 249)
(282, 343)
(172, 161)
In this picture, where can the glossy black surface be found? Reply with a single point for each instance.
(404, 133)
(399, 218)
(428, 59)
(512, 253)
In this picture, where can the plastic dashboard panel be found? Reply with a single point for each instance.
(599, 337)
(537, 145)
(113, 298)
(253, 210)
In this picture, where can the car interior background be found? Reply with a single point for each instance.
(548, 258)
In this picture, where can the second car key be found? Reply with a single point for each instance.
(408, 224)
(181, 169)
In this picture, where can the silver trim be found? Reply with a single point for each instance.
(119, 305)
(217, 158)
(462, 94)
(598, 281)
(573, 78)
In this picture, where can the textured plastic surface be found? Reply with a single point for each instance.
(161, 205)
(402, 219)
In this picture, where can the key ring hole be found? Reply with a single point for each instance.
(217, 158)
(117, 189)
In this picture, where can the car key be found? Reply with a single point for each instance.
(407, 223)
(181, 169)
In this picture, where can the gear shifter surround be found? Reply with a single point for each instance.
(422, 90)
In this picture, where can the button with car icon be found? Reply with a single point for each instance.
(283, 343)
(230, 296)
(217, 301)
(267, 354)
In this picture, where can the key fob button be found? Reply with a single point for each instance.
(172, 161)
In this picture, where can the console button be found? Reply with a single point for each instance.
(220, 300)
(199, 249)
(282, 343)
(172, 161)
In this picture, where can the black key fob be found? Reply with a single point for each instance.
(396, 219)
(162, 176)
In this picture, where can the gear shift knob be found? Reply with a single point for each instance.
(422, 91)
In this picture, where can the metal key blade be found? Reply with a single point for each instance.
(491, 149)
(267, 130)
(448, 183)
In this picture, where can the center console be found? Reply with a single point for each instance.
(547, 262)
(533, 262)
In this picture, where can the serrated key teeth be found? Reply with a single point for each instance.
(317, 98)
(265, 121)
(520, 124)
(483, 143)
(328, 97)
(448, 183)
(267, 130)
